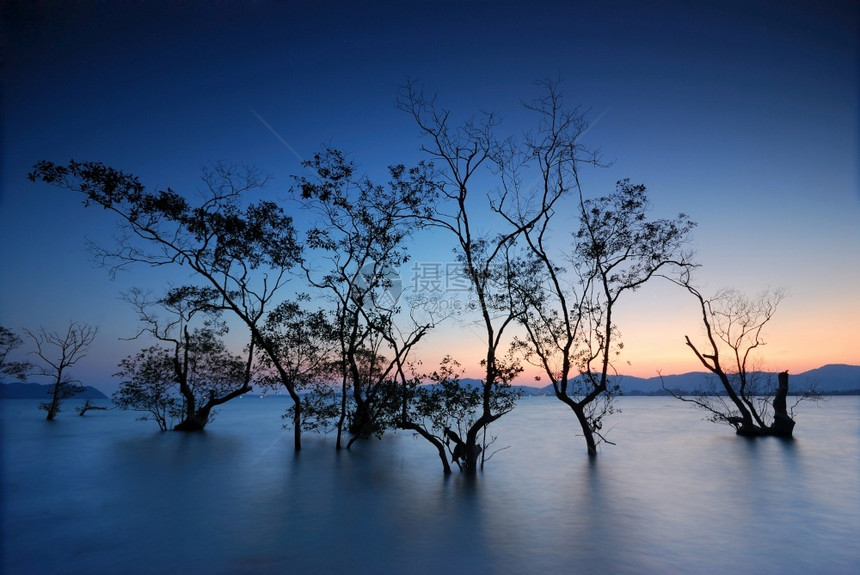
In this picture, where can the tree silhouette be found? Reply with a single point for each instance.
(359, 236)
(306, 345)
(205, 374)
(569, 318)
(442, 409)
(741, 395)
(148, 384)
(241, 250)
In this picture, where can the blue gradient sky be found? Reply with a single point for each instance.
(742, 114)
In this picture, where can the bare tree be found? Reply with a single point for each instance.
(563, 299)
(57, 353)
(462, 154)
(566, 316)
(741, 395)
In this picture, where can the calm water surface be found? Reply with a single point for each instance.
(105, 493)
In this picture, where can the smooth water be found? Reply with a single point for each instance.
(106, 493)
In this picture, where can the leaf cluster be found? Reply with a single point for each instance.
(213, 236)
(9, 341)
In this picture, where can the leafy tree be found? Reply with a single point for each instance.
(148, 384)
(569, 317)
(184, 382)
(209, 375)
(306, 344)
(243, 251)
(205, 374)
(444, 409)
(740, 394)
(57, 353)
(360, 237)
(9, 341)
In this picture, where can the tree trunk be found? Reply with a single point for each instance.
(362, 425)
(342, 419)
(297, 410)
(783, 424)
(470, 458)
(581, 417)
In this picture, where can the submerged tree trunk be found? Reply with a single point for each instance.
(472, 451)
(471, 448)
(584, 424)
(361, 422)
(440, 447)
(744, 424)
(587, 431)
(361, 425)
(54, 407)
(88, 406)
(783, 424)
(196, 421)
(342, 419)
(60, 391)
(751, 424)
(297, 418)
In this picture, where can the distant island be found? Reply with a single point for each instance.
(42, 391)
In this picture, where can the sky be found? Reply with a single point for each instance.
(743, 115)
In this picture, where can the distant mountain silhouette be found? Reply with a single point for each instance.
(473, 383)
(827, 379)
(42, 391)
(470, 382)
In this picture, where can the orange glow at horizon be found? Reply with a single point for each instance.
(652, 329)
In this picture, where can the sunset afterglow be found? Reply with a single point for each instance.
(743, 118)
